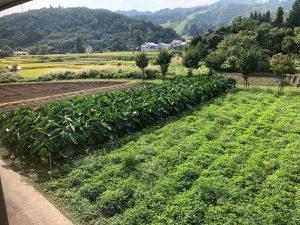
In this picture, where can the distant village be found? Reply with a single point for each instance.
(146, 47)
(174, 45)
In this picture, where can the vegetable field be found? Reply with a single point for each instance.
(69, 128)
(233, 161)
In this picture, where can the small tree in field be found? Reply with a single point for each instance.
(281, 65)
(247, 63)
(142, 61)
(79, 47)
(214, 61)
(193, 56)
(164, 60)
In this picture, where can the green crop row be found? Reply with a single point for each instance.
(70, 127)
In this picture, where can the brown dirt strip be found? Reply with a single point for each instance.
(33, 102)
(18, 92)
(264, 80)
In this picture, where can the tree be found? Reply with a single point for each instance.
(281, 65)
(294, 16)
(289, 45)
(142, 61)
(193, 56)
(79, 47)
(214, 61)
(164, 60)
(255, 16)
(268, 17)
(247, 63)
(278, 22)
(260, 17)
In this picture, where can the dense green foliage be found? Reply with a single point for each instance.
(79, 47)
(57, 29)
(163, 60)
(282, 65)
(294, 19)
(193, 56)
(233, 161)
(142, 62)
(214, 61)
(70, 127)
(249, 43)
(192, 21)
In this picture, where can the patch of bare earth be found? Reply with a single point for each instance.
(32, 95)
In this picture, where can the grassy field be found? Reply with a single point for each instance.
(235, 160)
(36, 66)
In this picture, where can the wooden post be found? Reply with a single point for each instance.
(3, 212)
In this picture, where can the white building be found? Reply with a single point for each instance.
(150, 47)
(163, 46)
(20, 53)
(88, 49)
(176, 43)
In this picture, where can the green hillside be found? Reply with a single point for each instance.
(192, 21)
(58, 28)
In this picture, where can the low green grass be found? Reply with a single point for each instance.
(235, 160)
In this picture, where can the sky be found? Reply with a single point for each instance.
(141, 5)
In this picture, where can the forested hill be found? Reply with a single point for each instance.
(191, 21)
(59, 28)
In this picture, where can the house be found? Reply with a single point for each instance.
(88, 49)
(20, 54)
(56, 51)
(150, 47)
(176, 44)
(163, 46)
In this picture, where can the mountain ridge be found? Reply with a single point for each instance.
(191, 21)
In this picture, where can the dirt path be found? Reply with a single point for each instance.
(15, 96)
(265, 80)
(26, 206)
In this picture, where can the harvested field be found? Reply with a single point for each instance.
(14, 96)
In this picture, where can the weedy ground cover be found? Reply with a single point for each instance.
(235, 160)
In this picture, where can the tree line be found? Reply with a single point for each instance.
(250, 45)
(57, 30)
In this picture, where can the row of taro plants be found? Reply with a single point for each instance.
(70, 127)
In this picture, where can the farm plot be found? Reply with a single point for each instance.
(20, 95)
(36, 66)
(68, 128)
(233, 161)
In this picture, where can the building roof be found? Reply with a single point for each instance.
(149, 45)
(5, 4)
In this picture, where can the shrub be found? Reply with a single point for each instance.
(9, 77)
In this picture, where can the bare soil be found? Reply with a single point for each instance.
(31, 95)
(264, 79)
